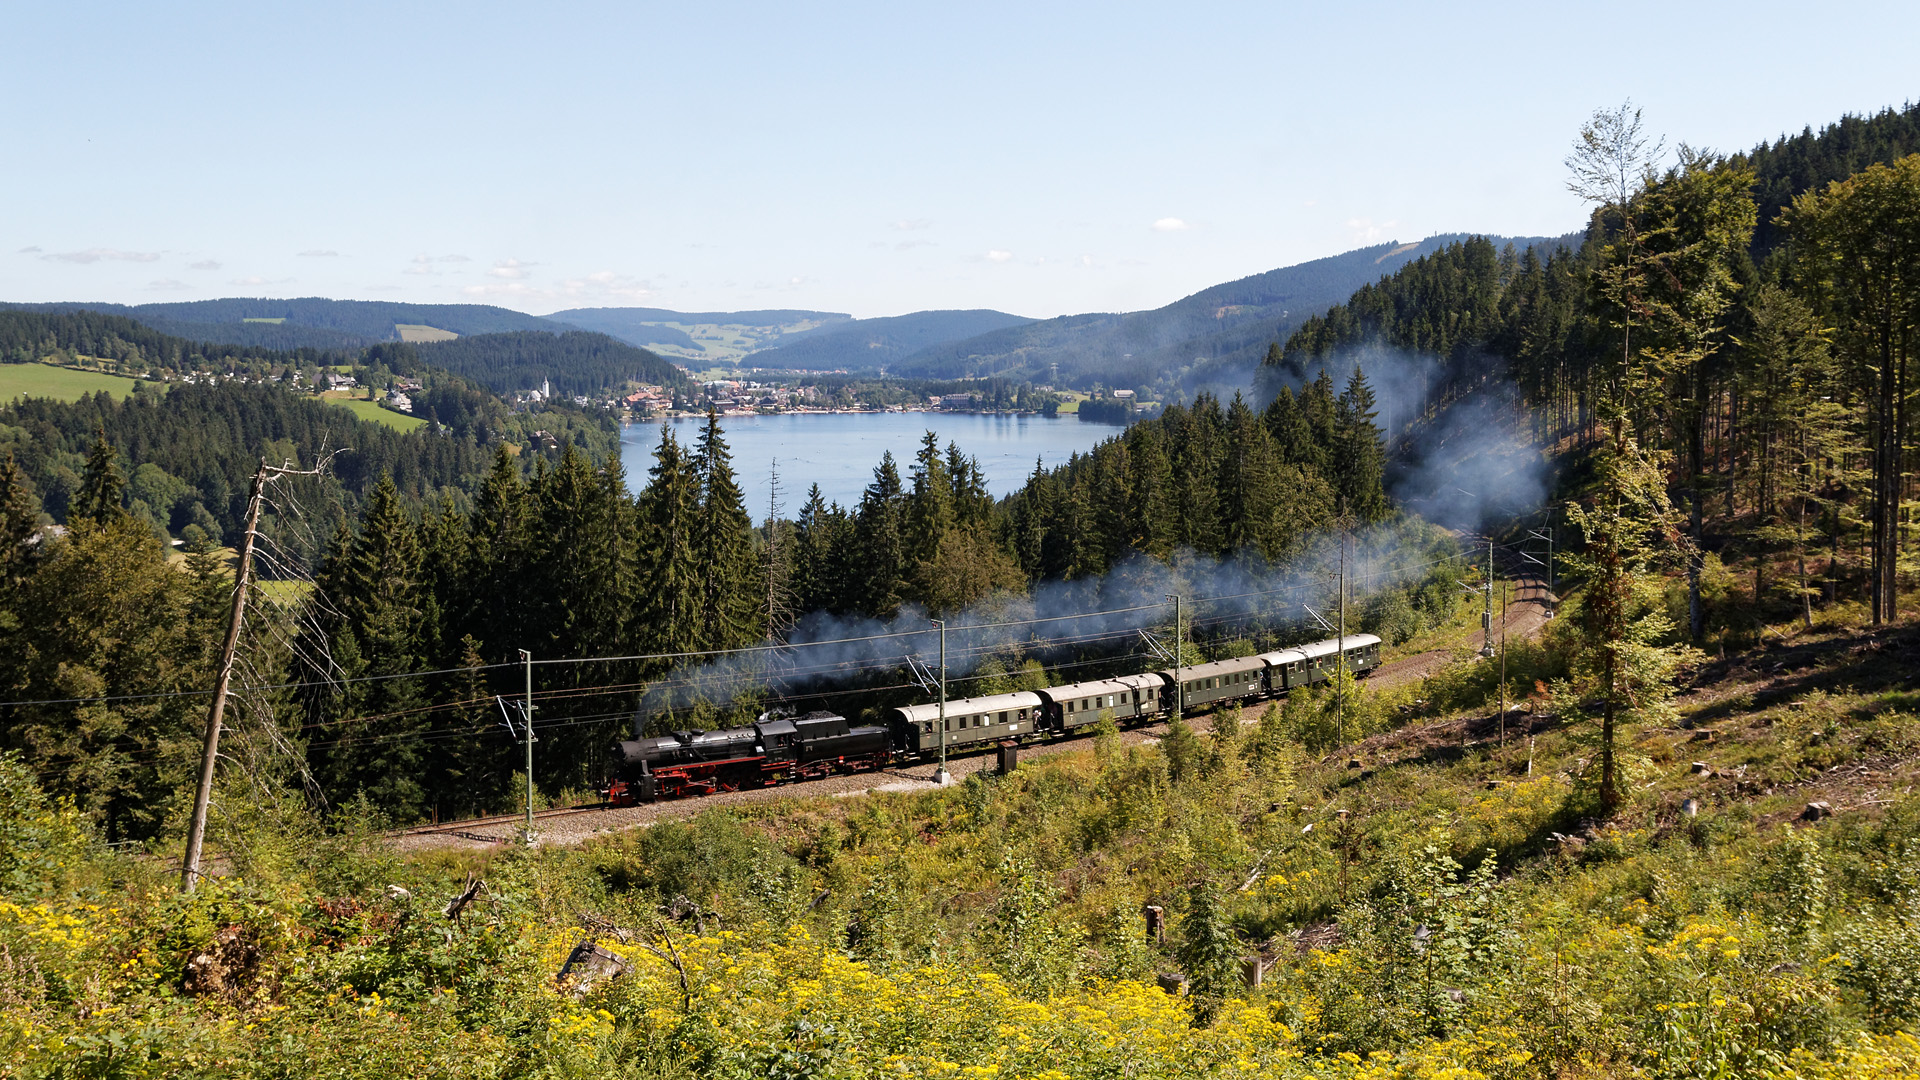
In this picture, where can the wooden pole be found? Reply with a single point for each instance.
(210, 752)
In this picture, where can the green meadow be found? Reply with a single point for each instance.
(371, 410)
(59, 383)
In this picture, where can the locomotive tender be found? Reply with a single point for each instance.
(809, 747)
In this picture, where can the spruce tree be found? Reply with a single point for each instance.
(811, 550)
(19, 517)
(724, 561)
(501, 558)
(878, 543)
(1359, 457)
(1150, 490)
(668, 571)
(1249, 483)
(98, 501)
(929, 511)
(377, 588)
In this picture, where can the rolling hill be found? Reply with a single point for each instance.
(873, 343)
(701, 337)
(1217, 327)
(310, 322)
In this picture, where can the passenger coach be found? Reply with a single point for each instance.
(969, 720)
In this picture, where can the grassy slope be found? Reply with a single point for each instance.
(996, 925)
(371, 410)
(58, 383)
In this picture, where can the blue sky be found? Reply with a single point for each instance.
(1038, 158)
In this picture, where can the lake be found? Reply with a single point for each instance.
(839, 451)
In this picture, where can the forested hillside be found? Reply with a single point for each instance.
(1219, 328)
(310, 322)
(1773, 397)
(574, 361)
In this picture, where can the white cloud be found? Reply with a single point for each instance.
(909, 245)
(999, 256)
(255, 279)
(910, 225)
(167, 285)
(1170, 224)
(428, 264)
(33, 249)
(204, 264)
(94, 255)
(510, 269)
(1367, 231)
(316, 253)
(599, 285)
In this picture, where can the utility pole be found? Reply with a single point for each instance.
(210, 753)
(1486, 617)
(527, 659)
(1179, 658)
(1341, 650)
(1503, 664)
(216, 712)
(940, 776)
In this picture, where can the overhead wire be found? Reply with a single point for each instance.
(743, 650)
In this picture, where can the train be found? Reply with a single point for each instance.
(780, 750)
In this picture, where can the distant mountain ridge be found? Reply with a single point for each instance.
(868, 343)
(1226, 324)
(699, 336)
(308, 322)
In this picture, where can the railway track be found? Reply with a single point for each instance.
(466, 828)
(1526, 613)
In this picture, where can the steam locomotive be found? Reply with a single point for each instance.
(781, 750)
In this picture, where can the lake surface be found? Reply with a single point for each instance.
(839, 451)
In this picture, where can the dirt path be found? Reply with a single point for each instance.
(1527, 613)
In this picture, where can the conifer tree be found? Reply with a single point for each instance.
(1151, 490)
(1117, 531)
(1292, 433)
(1249, 484)
(1359, 457)
(669, 583)
(724, 562)
(813, 540)
(98, 501)
(501, 557)
(929, 509)
(1630, 532)
(1027, 517)
(972, 502)
(383, 599)
(19, 517)
(878, 544)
